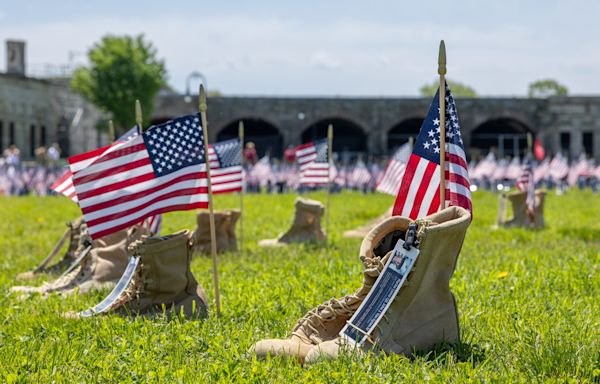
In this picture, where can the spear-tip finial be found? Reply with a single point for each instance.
(202, 98)
(138, 113)
(442, 59)
(111, 131)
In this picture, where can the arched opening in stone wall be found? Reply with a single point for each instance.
(349, 139)
(504, 136)
(402, 132)
(265, 136)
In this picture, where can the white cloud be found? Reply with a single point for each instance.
(324, 60)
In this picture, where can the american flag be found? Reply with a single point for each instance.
(580, 168)
(159, 171)
(360, 175)
(419, 191)
(542, 171)
(64, 184)
(525, 183)
(559, 167)
(154, 224)
(390, 183)
(262, 172)
(225, 166)
(314, 163)
(486, 167)
(514, 169)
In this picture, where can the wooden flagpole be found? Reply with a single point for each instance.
(111, 131)
(138, 116)
(330, 161)
(442, 73)
(213, 236)
(241, 137)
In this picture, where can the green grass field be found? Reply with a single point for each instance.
(529, 302)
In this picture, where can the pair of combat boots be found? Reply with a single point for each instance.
(161, 281)
(98, 264)
(224, 229)
(521, 216)
(421, 315)
(73, 234)
(306, 227)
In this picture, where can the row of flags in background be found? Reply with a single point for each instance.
(142, 175)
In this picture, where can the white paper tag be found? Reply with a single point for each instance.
(380, 297)
(122, 284)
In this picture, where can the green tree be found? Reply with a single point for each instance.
(547, 88)
(458, 89)
(122, 69)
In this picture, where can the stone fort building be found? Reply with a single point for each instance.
(41, 111)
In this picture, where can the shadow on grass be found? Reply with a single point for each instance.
(462, 352)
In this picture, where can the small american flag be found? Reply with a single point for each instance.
(419, 192)
(159, 171)
(525, 183)
(559, 167)
(390, 183)
(225, 166)
(360, 175)
(153, 224)
(314, 163)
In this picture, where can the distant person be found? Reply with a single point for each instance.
(13, 156)
(250, 155)
(41, 156)
(54, 153)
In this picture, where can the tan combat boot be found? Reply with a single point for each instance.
(424, 312)
(224, 228)
(327, 320)
(73, 233)
(518, 200)
(521, 218)
(306, 227)
(162, 280)
(100, 268)
(231, 236)
(540, 197)
(362, 231)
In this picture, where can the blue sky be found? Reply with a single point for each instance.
(361, 48)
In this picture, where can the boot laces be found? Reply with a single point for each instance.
(134, 290)
(308, 326)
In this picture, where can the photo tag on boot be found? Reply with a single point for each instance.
(358, 329)
(122, 284)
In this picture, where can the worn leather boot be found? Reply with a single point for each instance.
(327, 320)
(424, 312)
(224, 228)
(231, 236)
(363, 230)
(101, 267)
(73, 233)
(540, 197)
(521, 218)
(306, 227)
(162, 281)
